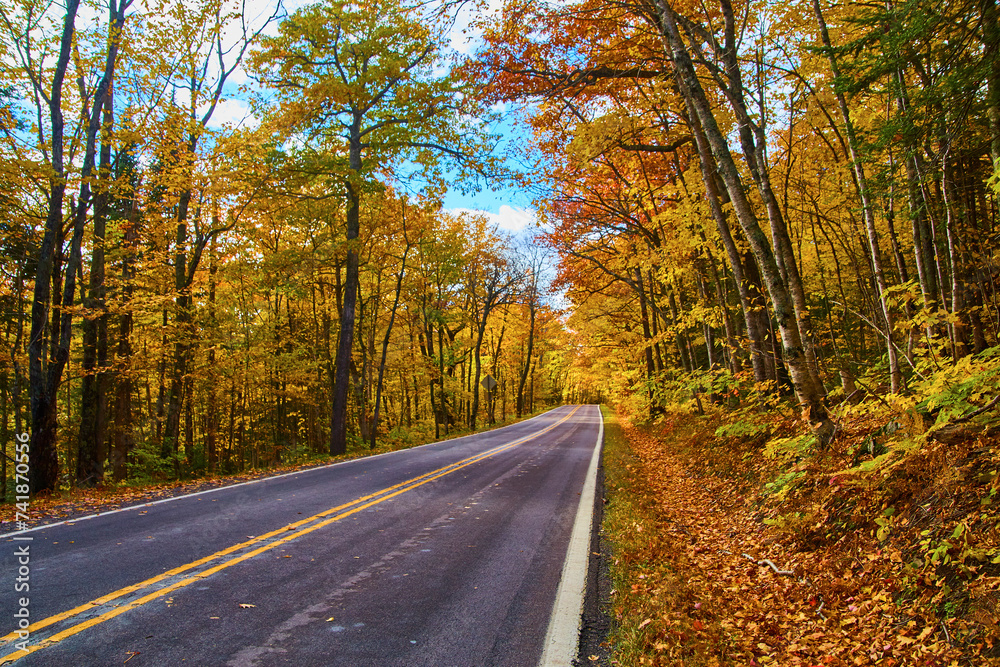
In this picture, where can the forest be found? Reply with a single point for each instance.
(769, 226)
(776, 225)
(186, 296)
(785, 197)
(741, 205)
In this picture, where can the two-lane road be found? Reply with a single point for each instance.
(446, 554)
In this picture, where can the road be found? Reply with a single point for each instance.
(446, 554)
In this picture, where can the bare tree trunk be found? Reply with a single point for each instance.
(754, 143)
(123, 435)
(388, 334)
(43, 457)
(708, 172)
(647, 338)
(442, 399)
(212, 416)
(338, 416)
(522, 381)
(92, 438)
(895, 374)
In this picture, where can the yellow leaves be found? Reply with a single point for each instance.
(603, 133)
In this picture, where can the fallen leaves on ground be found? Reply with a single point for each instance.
(694, 588)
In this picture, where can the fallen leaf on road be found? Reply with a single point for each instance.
(244, 605)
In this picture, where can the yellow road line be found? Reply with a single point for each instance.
(372, 498)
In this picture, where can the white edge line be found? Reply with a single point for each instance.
(263, 479)
(563, 636)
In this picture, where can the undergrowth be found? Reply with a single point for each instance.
(887, 541)
(653, 607)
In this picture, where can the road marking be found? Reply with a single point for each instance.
(563, 636)
(304, 471)
(318, 521)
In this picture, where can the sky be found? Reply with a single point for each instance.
(508, 208)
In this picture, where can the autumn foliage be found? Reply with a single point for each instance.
(224, 246)
(712, 566)
(776, 225)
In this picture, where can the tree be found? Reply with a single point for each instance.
(358, 88)
(46, 365)
(205, 65)
(94, 409)
(492, 283)
(531, 298)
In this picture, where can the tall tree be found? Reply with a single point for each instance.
(205, 64)
(808, 386)
(359, 85)
(46, 366)
(92, 438)
(531, 298)
(492, 283)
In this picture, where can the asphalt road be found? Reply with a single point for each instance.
(446, 554)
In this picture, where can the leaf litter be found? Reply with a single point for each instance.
(708, 570)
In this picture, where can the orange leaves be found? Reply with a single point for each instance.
(701, 602)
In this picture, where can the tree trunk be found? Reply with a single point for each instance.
(808, 389)
(212, 416)
(92, 438)
(385, 340)
(345, 342)
(755, 333)
(442, 399)
(754, 144)
(532, 309)
(646, 338)
(991, 51)
(895, 374)
(477, 357)
(43, 459)
(183, 319)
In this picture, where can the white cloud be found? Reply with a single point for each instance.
(463, 36)
(509, 218)
(231, 113)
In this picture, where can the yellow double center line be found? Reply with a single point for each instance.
(268, 541)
